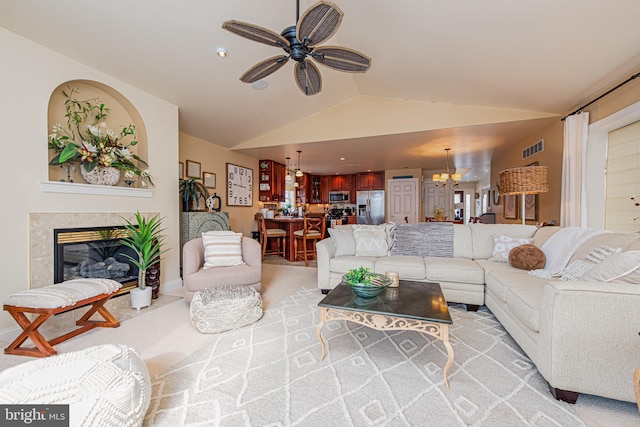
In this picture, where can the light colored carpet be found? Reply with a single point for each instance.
(269, 374)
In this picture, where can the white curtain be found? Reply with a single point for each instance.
(573, 208)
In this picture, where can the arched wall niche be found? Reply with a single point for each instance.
(123, 113)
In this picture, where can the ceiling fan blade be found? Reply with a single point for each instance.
(308, 78)
(319, 23)
(264, 68)
(255, 33)
(342, 59)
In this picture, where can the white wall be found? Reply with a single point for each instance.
(28, 75)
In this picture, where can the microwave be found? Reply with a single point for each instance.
(338, 196)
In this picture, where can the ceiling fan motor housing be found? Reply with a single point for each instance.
(297, 51)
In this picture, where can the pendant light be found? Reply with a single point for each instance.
(299, 171)
(288, 177)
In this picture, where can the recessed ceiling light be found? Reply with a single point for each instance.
(222, 52)
(260, 85)
(342, 158)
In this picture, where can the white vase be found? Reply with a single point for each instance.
(140, 297)
(101, 175)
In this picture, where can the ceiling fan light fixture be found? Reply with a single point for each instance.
(222, 52)
(260, 85)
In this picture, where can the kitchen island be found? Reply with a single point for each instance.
(288, 224)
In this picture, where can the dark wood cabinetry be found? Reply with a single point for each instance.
(303, 190)
(370, 180)
(271, 181)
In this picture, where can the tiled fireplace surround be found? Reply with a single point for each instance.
(41, 226)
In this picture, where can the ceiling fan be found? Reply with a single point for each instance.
(300, 42)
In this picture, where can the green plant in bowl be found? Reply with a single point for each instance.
(364, 283)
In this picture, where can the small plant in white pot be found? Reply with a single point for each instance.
(145, 239)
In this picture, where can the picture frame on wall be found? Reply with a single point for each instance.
(209, 179)
(193, 169)
(510, 210)
(180, 170)
(531, 207)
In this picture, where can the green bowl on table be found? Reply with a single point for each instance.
(377, 286)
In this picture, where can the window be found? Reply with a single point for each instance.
(622, 179)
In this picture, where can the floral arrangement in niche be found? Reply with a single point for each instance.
(88, 140)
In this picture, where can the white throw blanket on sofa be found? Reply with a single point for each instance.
(560, 248)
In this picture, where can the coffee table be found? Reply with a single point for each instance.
(413, 306)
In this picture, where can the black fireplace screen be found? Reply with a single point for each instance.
(93, 253)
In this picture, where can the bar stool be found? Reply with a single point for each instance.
(314, 229)
(273, 233)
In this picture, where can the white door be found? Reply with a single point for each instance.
(403, 200)
(437, 196)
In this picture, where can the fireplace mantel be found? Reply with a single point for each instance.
(102, 190)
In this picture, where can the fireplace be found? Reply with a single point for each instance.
(94, 252)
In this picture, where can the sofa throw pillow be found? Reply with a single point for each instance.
(222, 249)
(576, 269)
(502, 245)
(527, 257)
(619, 267)
(343, 240)
(371, 240)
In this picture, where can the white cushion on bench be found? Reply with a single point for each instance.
(63, 294)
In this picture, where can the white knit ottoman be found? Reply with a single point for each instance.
(104, 385)
(221, 309)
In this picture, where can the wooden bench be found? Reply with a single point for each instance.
(55, 299)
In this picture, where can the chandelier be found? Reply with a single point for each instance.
(444, 177)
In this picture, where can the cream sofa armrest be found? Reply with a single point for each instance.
(251, 252)
(192, 257)
(588, 338)
(325, 250)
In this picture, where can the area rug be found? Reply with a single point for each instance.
(269, 374)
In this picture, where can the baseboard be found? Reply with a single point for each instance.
(170, 286)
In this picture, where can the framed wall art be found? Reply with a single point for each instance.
(209, 179)
(239, 185)
(510, 210)
(193, 169)
(180, 170)
(531, 207)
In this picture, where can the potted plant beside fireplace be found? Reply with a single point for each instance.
(146, 240)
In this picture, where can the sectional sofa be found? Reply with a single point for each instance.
(582, 334)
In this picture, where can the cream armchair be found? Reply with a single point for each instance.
(196, 278)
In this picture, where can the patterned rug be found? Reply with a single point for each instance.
(269, 374)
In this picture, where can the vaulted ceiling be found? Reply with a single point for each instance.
(470, 75)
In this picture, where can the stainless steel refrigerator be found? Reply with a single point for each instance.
(370, 207)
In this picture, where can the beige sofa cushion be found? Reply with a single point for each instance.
(460, 270)
(524, 302)
(462, 241)
(409, 267)
(345, 263)
(343, 239)
(482, 236)
(499, 282)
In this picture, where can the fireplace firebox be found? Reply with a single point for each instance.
(94, 252)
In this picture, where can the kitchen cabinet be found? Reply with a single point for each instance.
(303, 190)
(271, 181)
(315, 192)
(370, 180)
(341, 182)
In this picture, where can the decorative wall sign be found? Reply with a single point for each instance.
(209, 179)
(239, 185)
(193, 169)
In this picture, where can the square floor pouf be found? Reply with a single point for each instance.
(221, 309)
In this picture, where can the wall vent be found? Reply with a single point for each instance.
(533, 149)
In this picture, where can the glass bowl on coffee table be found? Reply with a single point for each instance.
(376, 286)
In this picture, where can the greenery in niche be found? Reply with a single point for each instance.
(88, 140)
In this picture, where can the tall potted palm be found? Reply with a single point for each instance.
(192, 189)
(146, 240)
